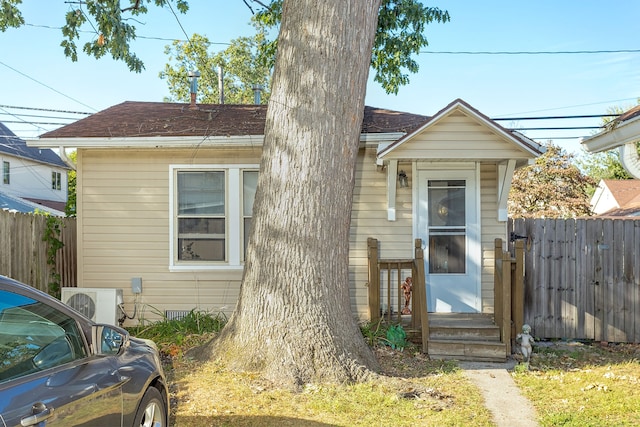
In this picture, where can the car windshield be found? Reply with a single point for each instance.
(34, 336)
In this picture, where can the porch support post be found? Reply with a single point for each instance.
(392, 176)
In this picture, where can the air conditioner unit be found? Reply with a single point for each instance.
(98, 304)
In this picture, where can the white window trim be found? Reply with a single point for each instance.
(233, 192)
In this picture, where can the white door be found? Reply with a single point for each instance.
(448, 224)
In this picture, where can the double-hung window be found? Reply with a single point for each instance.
(6, 173)
(56, 180)
(211, 210)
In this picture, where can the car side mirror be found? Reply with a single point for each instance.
(108, 339)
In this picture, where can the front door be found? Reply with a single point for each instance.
(448, 224)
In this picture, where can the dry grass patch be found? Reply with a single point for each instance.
(584, 384)
(415, 391)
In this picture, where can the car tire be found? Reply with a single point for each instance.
(152, 411)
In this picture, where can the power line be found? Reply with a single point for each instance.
(584, 116)
(530, 52)
(47, 86)
(45, 109)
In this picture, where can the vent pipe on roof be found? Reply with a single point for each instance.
(257, 90)
(193, 75)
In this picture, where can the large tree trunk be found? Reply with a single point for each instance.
(293, 321)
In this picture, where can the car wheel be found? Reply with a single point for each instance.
(152, 411)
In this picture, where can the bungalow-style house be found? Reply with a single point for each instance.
(146, 170)
(33, 179)
(617, 198)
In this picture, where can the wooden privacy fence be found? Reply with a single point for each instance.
(23, 252)
(582, 277)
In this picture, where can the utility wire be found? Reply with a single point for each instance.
(45, 109)
(530, 52)
(47, 86)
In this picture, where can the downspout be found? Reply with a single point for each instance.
(630, 159)
(65, 158)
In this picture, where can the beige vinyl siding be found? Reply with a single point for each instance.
(491, 229)
(457, 137)
(123, 201)
(369, 219)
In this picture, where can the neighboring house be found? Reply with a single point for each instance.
(32, 178)
(617, 197)
(164, 194)
(622, 133)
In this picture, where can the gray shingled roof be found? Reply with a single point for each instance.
(152, 119)
(11, 144)
(17, 204)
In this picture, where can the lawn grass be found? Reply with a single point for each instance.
(413, 390)
(570, 384)
(207, 394)
(584, 384)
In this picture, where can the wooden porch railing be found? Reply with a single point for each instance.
(387, 269)
(509, 291)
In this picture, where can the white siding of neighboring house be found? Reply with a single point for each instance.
(29, 179)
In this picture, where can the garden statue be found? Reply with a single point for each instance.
(407, 287)
(526, 342)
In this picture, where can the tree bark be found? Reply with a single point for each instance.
(293, 320)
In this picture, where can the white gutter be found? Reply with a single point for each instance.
(624, 137)
(65, 158)
(233, 141)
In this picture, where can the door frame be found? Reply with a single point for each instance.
(470, 171)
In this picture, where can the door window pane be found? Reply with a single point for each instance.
(447, 252)
(447, 226)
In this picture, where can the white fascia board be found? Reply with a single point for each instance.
(181, 142)
(379, 139)
(151, 142)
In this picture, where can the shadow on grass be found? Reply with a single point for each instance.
(245, 420)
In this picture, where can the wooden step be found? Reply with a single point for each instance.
(481, 351)
(472, 333)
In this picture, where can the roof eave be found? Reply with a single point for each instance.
(624, 133)
(367, 139)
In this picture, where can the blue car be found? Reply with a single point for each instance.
(58, 368)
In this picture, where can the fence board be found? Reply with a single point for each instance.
(628, 297)
(636, 279)
(569, 309)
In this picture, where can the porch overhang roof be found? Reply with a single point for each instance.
(530, 147)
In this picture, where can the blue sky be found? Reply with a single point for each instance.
(35, 73)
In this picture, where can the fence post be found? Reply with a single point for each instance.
(506, 300)
(498, 284)
(374, 280)
(420, 286)
(517, 294)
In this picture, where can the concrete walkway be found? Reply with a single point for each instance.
(502, 397)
